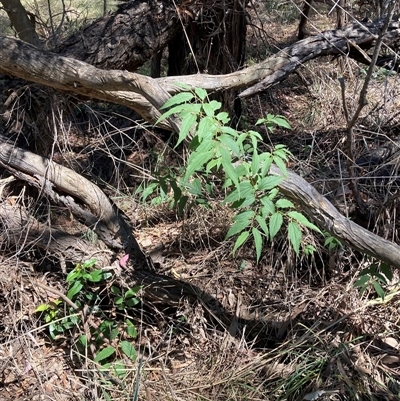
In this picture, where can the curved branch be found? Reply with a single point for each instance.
(327, 217)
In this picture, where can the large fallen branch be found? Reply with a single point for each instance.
(318, 209)
(83, 198)
(145, 95)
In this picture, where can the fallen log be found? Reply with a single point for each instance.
(319, 210)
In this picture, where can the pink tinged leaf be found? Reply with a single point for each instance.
(124, 260)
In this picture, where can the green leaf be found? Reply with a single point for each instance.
(43, 308)
(104, 354)
(268, 206)
(179, 98)
(129, 350)
(226, 160)
(379, 290)
(262, 223)
(300, 218)
(275, 224)
(182, 203)
(230, 144)
(284, 204)
(211, 108)
(115, 290)
(387, 271)
(130, 329)
(255, 162)
(73, 275)
(194, 187)
(281, 122)
(269, 182)
(241, 240)
(76, 287)
(224, 118)
(201, 93)
(233, 196)
(206, 128)
(196, 161)
(131, 301)
(363, 280)
(295, 235)
(89, 263)
(96, 275)
(237, 227)
(186, 125)
(257, 242)
(281, 164)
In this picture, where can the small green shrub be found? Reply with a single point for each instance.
(109, 339)
(219, 153)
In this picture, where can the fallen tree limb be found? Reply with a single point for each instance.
(318, 209)
(146, 95)
(97, 212)
(21, 230)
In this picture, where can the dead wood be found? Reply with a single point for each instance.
(145, 95)
(126, 38)
(20, 229)
(318, 209)
(83, 198)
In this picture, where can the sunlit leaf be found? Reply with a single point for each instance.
(295, 235)
(275, 224)
(104, 354)
(129, 350)
(240, 240)
(257, 242)
(300, 218)
(179, 98)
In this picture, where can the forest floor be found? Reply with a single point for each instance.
(224, 327)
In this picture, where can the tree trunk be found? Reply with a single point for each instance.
(24, 26)
(127, 38)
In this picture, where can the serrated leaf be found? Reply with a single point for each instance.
(104, 354)
(186, 125)
(281, 122)
(201, 93)
(237, 227)
(211, 107)
(263, 224)
(268, 206)
(275, 224)
(280, 164)
(300, 218)
(129, 350)
(179, 98)
(283, 204)
(257, 242)
(194, 187)
(269, 182)
(295, 235)
(240, 240)
(229, 143)
(196, 161)
(206, 128)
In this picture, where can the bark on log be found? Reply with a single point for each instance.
(127, 38)
(145, 95)
(21, 230)
(102, 216)
(318, 209)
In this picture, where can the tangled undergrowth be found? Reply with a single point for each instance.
(210, 326)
